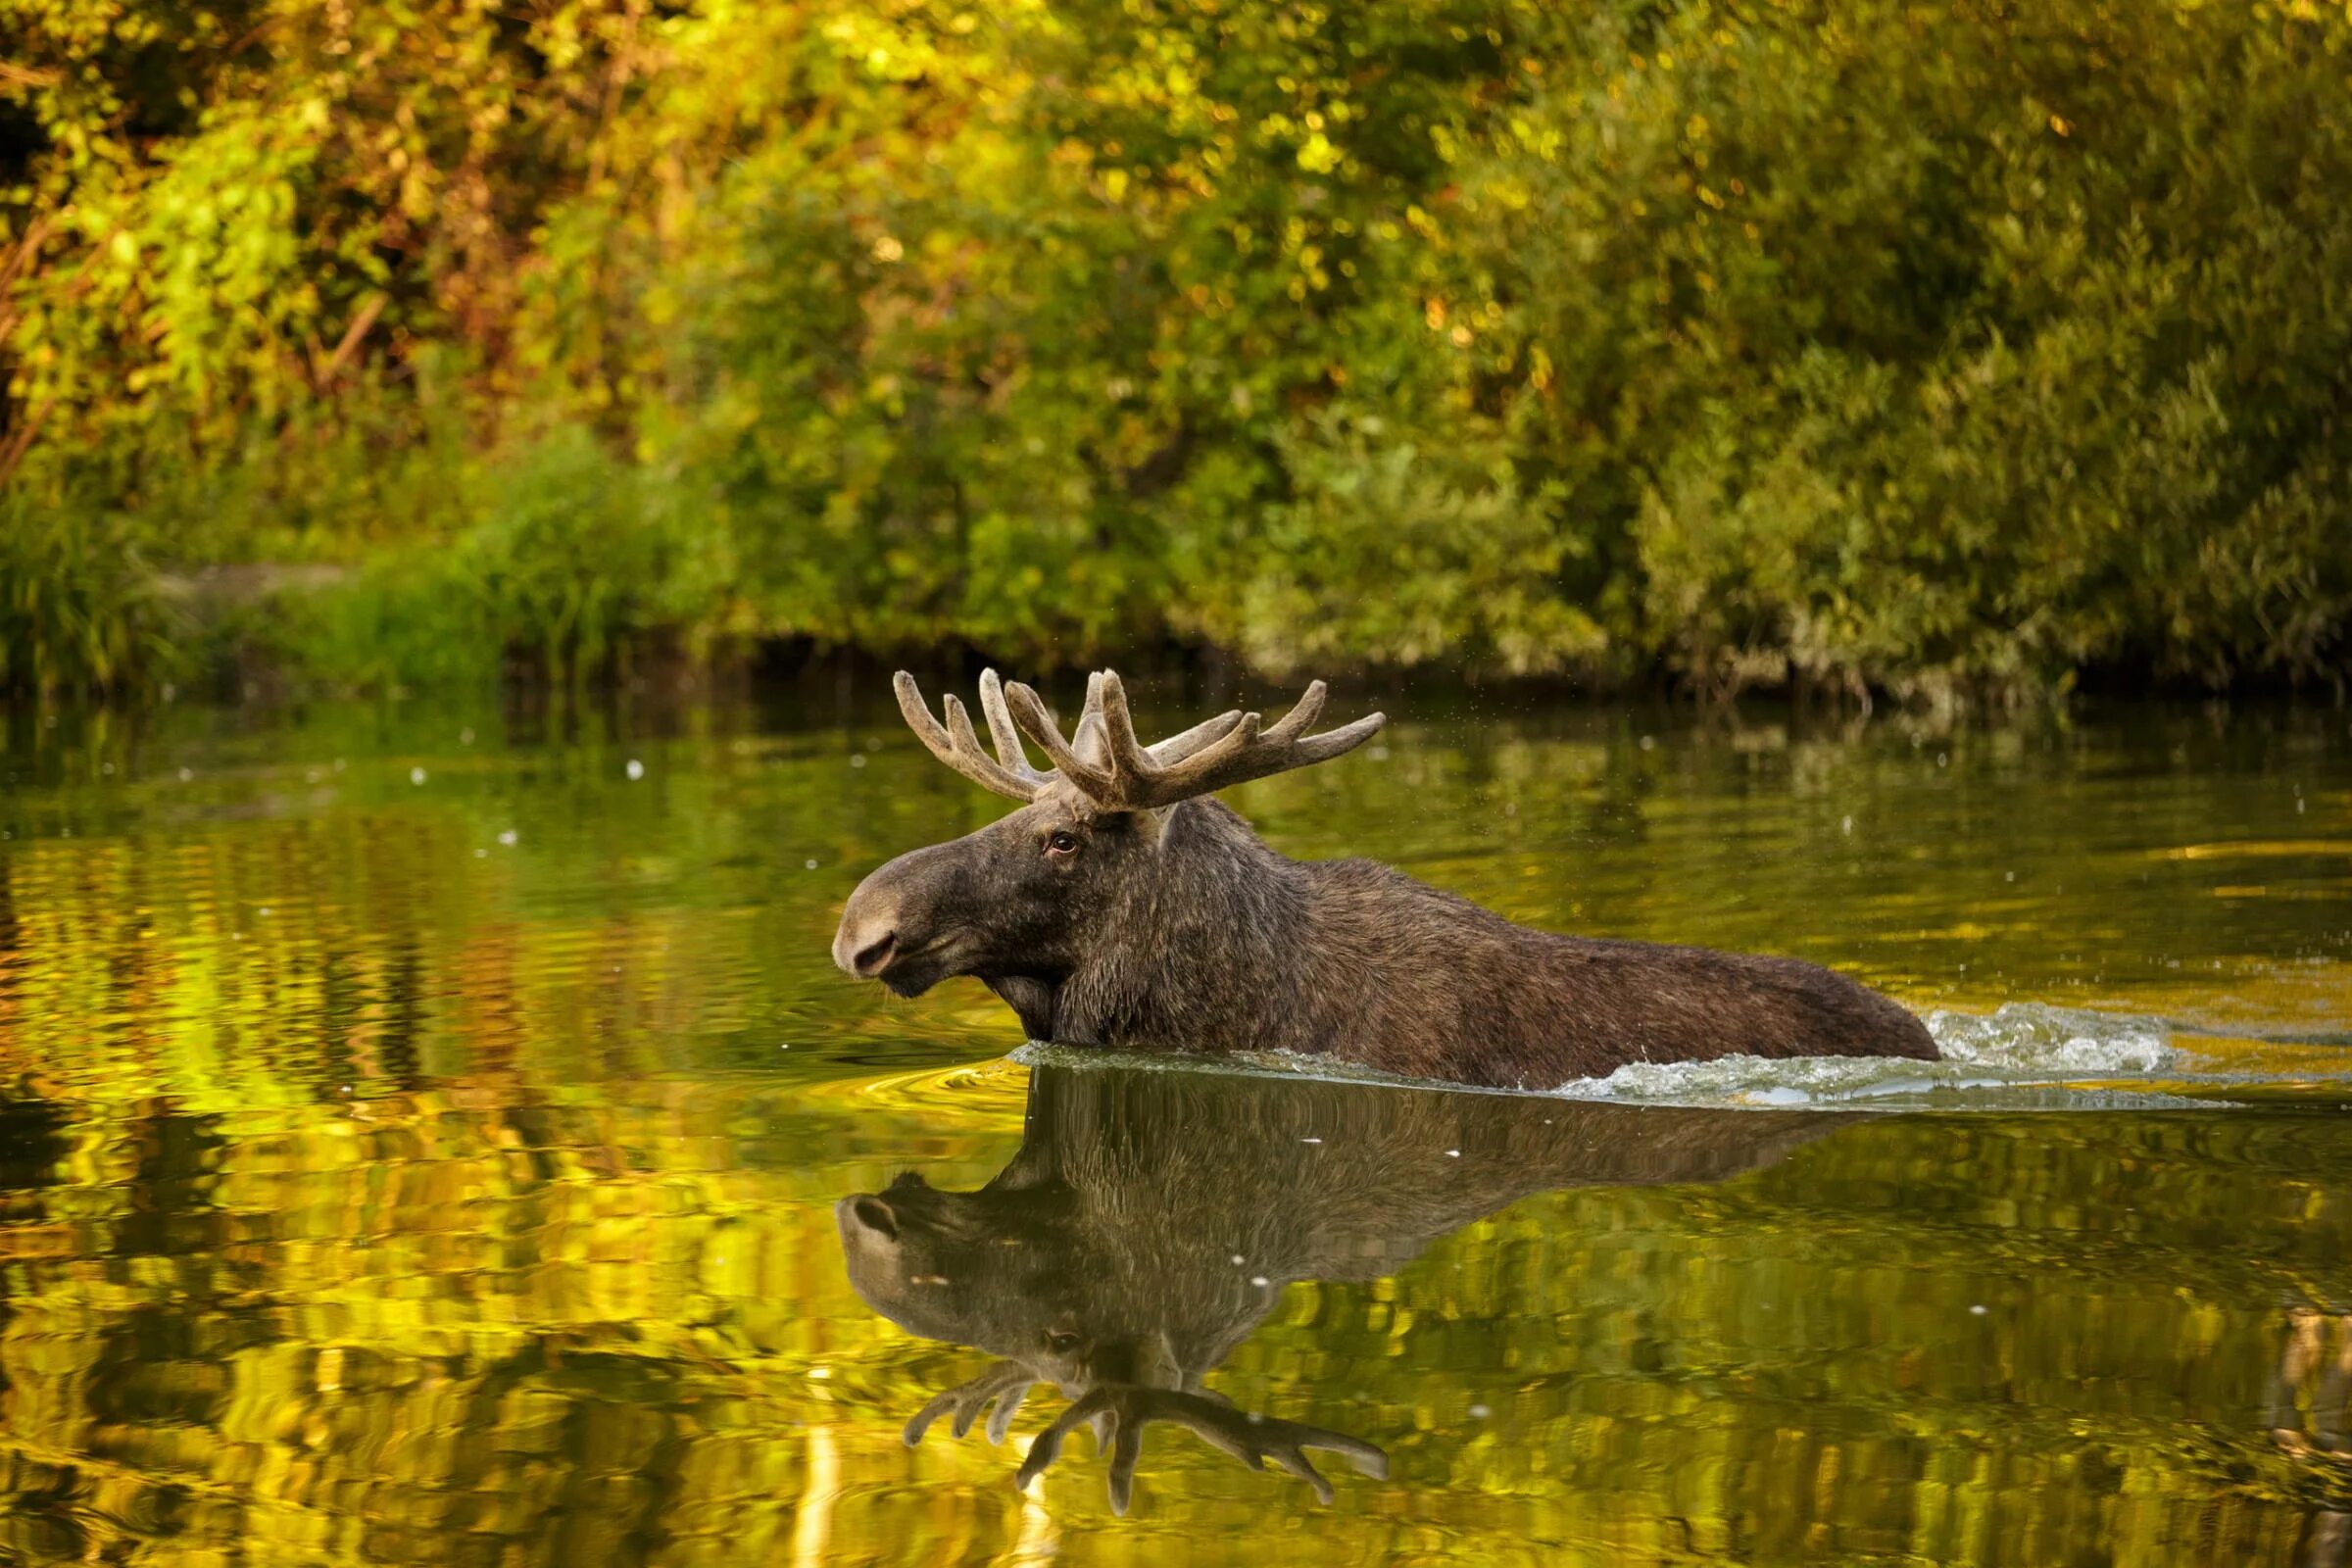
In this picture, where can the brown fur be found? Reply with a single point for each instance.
(1181, 930)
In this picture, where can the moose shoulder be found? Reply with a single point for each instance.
(1122, 907)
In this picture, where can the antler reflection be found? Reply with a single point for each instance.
(1004, 1385)
(1119, 1412)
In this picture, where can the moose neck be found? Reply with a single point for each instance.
(1202, 955)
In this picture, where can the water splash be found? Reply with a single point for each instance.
(2021, 1056)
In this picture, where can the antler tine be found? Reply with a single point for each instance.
(1337, 742)
(1006, 1384)
(1176, 748)
(956, 746)
(1029, 711)
(1127, 754)
(1123, 1410)
(1000, 728)
(1087, 731)
(1309, 708)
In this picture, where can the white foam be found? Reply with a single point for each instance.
(1986, 1058)
(2032, 1037)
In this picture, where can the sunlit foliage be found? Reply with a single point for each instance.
(1917, 347)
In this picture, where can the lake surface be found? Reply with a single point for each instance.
(429, 1136)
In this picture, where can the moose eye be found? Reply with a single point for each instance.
(1062, 1341)
(1062, 841)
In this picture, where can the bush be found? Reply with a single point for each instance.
(80, 609)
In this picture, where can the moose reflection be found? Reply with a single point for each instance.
(1152, 1218)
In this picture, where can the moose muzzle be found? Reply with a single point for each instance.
(892, 928)
(868, 937)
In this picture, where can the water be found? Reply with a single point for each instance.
(422, 1131)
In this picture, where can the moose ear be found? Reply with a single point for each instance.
(1149, 824)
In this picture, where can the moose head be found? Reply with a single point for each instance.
(1097, 867)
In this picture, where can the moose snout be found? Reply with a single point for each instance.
(896, 914)
(869, 938)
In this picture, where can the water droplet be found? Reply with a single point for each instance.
(508, 837)
(416, 775)
(1845, 824)
(1236, 1260)
(1479, 1412)
(857, 759)
(1259, 1280)
(1454, 1153)
(466, 736)
(1979, 1310)
(807, 865)
(186, 774)
(635, 769)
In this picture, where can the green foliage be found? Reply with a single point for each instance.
(1393, 548)
(79, 609)
(1873, 344)
(579, 556)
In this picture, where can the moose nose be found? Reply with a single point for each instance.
(867, 940)
(863, 1211)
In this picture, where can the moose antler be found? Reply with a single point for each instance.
(1121, 1410)
(1104, 760)
(1122, 774)
(1006, 1384)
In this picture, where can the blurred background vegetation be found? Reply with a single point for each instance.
(1921, 348)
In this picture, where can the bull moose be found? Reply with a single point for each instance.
(1152, 1219)
(1122, 907)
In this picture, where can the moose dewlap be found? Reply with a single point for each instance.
(1120, 905)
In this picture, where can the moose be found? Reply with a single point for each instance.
(1122, 907)
(1152, 1219)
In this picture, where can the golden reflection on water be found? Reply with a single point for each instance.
(446, 1172)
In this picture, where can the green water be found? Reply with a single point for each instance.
(421, 1133)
